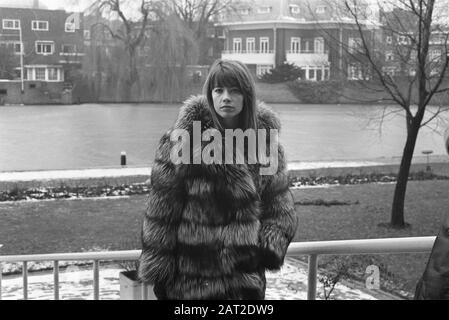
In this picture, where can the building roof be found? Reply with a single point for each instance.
(289, 11)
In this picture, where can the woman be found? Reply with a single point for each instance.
(211, 230)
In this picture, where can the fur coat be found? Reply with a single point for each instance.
(211, 230)
(434, 283)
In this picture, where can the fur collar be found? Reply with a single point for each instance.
(196, 108)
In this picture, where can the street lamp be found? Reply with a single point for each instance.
(428, 152)
(21, 58)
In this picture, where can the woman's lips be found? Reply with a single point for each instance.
(227, 107)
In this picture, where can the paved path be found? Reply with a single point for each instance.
(290, 283)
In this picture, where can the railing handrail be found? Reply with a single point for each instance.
(73, 256)
(306, 52)
(248, 52)
(312, 248)
(357, 246)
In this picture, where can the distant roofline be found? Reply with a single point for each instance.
(38, 9)
(293, 22)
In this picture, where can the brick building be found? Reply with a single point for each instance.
(47, 43)
(314, 35)
(399, 52)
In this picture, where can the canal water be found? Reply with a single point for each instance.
(94, 135)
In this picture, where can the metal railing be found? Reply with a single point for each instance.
(313, 249)
(247, 52)
(306, 52)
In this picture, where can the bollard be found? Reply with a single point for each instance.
(123, 158)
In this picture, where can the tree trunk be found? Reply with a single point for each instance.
(397, 211)
(132, 76)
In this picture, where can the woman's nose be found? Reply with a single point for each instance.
(226, 95)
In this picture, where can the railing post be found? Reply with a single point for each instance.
(56, 278)
(1, 271)
(144, 291)
(25, 280)
(96, 280)
(312, 277)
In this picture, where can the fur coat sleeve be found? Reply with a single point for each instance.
(164, 209)
(278, 221)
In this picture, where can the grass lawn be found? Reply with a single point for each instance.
(80, 225)
(427, 203)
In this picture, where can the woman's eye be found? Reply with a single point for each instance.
(218, 90)
(235, 90)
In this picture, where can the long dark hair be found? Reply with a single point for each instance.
(230, 73)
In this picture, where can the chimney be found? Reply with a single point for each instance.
(283, 8)
(35, 4)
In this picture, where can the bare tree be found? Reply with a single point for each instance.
(171, 49)
(132, 32)
(412, 74)
(198, 15)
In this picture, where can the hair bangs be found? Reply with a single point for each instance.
(225, 77)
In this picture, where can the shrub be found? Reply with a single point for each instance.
(316, 91)
(282, 73)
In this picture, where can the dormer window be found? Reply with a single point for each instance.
(294, 9)
(69, 27)
(320, 9)
(244, 12)
(264, 9)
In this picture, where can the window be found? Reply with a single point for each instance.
(263, 68)
(14, 45)
(264, 45)
(320, 9)
(389, 71)
(389, 39)
(355, 45)
(39, 25)
(389, 56)
(294, 9)
(44, 47)
(319, 45)
(250, 45)
(87, 34)
(306, 46)
(435, 55)
(69, 27)
(264, 9)
(311, 75)
(43, 73)
(295, 45)
(355, 72)
(17, 47)
(40, 73)
(402, 40)
(244, 12)
(237, 45)
(11, 24)
(52, 74)
(68, 49)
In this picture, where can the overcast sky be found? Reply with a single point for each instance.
(68, 5)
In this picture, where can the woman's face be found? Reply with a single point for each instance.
(228, 103)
